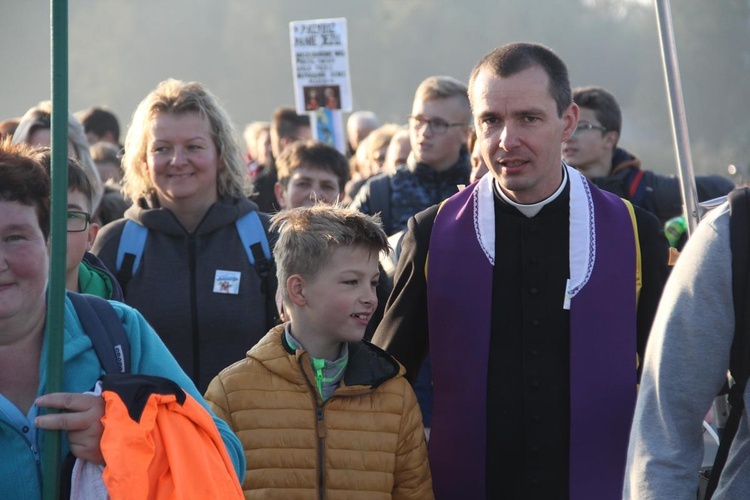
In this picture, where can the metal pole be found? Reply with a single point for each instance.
(691, 209)
(58, 236)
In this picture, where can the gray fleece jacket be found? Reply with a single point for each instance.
(174, 285)
(685, 365)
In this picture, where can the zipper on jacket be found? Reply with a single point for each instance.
(195, 340)
(321, 425)
(319, 365)
(320, 430)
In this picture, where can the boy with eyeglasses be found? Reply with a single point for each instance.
(593, 150)
(84, 272)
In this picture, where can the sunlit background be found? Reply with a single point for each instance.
(120, 50)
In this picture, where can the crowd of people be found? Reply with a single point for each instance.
(462, 306)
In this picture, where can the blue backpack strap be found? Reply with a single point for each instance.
(102, 324)
(252, 233)
(130, 251)
(255, 241)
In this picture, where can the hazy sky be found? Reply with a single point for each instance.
(120, 49)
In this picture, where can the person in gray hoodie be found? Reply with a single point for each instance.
(195, 283)
(685, 366)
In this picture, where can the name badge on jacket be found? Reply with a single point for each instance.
(227, 282)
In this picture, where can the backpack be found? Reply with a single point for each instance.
(112, 346)
(739, 357)
(380, 199)
(102, 324)
(254, 240)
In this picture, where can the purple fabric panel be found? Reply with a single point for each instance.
(603, 358)
(459, 297)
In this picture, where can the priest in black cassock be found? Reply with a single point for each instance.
(534, 292)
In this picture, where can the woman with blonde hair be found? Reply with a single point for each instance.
(208, 297)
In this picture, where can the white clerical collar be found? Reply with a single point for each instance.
(532, 209)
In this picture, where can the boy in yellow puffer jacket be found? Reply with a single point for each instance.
(321, 413)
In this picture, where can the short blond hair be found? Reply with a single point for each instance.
(308, 236)
(178, 97)
(444, 87)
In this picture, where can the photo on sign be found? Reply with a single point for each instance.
(322, 96)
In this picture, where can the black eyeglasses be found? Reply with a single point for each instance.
(582, 127)
(436, 125)
(78, 221)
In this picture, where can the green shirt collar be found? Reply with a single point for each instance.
(93, 282)
(328, 374)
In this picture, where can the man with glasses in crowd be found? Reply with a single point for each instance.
(438, 128)
(592, 149)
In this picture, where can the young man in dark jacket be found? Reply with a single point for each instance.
(438, 128)
(593, 151)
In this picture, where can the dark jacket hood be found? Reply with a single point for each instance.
(455, 174)
(149, 213)
(621, 160)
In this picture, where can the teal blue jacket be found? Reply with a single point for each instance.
(21, 443)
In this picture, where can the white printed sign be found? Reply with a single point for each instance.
(320, 64)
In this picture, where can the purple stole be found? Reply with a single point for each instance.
(601, 295)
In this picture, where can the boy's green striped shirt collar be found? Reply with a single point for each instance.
(328, 374)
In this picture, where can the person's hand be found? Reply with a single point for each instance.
(81, 416)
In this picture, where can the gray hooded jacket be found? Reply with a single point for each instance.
(174, 284)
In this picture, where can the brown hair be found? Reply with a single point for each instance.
(308, 237)
(314, 154)
(602, 103)
(513, 58)
(23, 180)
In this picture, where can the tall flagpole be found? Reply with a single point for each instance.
(691, 208)
(58, 236)
(692, 211)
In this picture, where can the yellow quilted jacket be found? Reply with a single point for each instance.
(365, 442)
